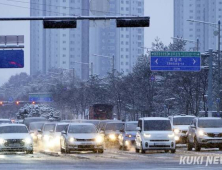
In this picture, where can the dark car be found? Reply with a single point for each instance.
(33, 130)
(112, 132)
(128, 135)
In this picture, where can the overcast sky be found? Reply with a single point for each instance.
(161, 25)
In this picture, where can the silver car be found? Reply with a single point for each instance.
(205, 132)
(15, 137)
(81, 137)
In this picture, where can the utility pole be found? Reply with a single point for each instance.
(198, 44)
(210, 77)
(218, 92)
(92, 69)
(113, 65)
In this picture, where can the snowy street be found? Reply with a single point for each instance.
(111, 159)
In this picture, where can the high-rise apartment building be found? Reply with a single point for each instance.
(201, 10)
(75, 48)
(59, 48)
(122, 43)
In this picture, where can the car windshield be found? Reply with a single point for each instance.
(13, 129)
(82, 129)
(35, 126)
(157, 125)
(210, 123)
(131, 126)
(114, 126)
(60, 128)
(182, 120)
(49, 127)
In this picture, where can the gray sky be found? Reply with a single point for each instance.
(160, 11)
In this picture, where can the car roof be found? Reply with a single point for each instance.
(184, 116)
(4, 119)
(80, 124)
(154, 118)
(208, 118)
(1, 125)
(132, 122)
(63, 123)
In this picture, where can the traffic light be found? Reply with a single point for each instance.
(59, 24)
(132, 23)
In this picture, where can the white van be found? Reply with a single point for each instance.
(155, 133)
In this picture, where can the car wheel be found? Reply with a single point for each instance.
(189, 145)
(137, 150)
(142, 150)
(166, 151)
(100, 151)
(196, 145)
(173, 150)
(29, 152)
(67, 149)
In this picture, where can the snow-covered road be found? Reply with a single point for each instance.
(111, 159)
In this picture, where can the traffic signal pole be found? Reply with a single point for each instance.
(56, 18)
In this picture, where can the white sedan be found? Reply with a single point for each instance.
(81, 137)
(15, 137)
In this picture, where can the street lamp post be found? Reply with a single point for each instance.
(215, 25)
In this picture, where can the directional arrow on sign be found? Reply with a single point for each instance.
(156, 61)
(194, 61)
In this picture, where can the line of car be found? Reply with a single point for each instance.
(150, 133)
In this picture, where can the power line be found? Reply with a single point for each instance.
(83, 9)
(37, 9)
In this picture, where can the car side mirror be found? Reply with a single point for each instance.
(64, 132)
(138, 129)
(39, 130)
(193, 127)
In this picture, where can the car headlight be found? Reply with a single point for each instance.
(176, 131)
(201, 133)
(112, 137)
(99, 139)
(176, 138)
(2, 141)
(46, 137)
(146, 135)
(171, 135)
(128, 135)
(71, 139)
(27, 140)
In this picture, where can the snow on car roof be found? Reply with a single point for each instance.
(208, 118)
(132, 122)
(154, 118)
(184, 116)
(12, 125)
(81, 124)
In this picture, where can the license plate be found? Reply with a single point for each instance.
(86, 143)
(156, 144)
(14, 145)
